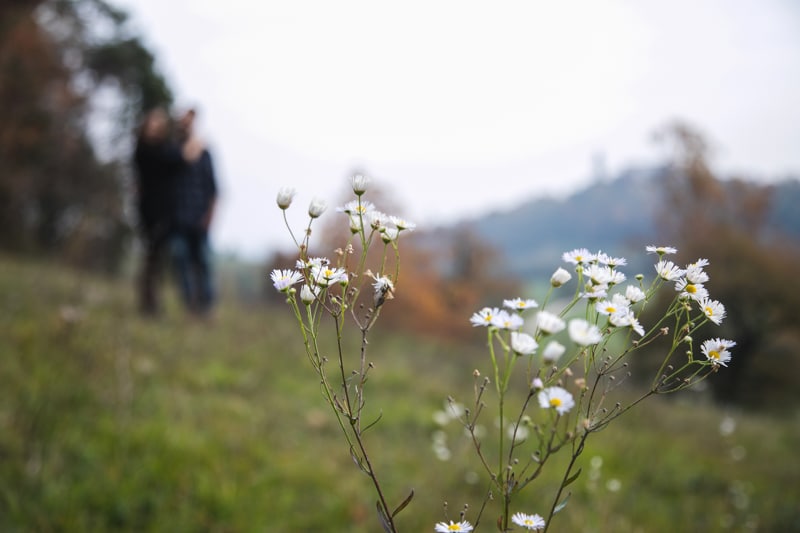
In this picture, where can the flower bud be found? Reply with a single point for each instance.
(316, 208)
(285, 197)
(553, 351)
(359, 182)
(560, 277)
(307, 295)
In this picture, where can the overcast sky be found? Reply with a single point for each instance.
(461, 108)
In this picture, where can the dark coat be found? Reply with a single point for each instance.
(158, 166)
(195, 191)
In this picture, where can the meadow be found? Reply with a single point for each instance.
(112, 422)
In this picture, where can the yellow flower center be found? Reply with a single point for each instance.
(454, 527)
(611, 309)
(691, 289)
(713, 354)
(555, 402)
(708, 310)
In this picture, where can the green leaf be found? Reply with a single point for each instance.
(404, 503)
(561, 505)
(572, 478)
(382, 517)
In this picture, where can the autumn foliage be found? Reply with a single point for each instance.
(752, 266)
(59, 195)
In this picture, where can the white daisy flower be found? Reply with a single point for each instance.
(687, 289)
(522, 343)
(284, 279)
(599, 274)
(713, 309)
(595, 292)
(484, 317)
(518, 304)
(617, 277)
(583, 333)
(613, 262)
(579, 256)
(377, 220)
(531, 522)
(285, 197)
(453, 527)
(616, 304)
(556, 398)
(626, 318)
(553, 351)
(717, 350)
(325, 275)
(661, 250)
(694, 272)
(312, 262)
(549, 323)
(317, 207)
(402, 224)
(560, 277)
(357, 208)
(505, 320)
(668, 271)
(634, 294)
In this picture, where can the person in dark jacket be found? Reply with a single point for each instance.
(195, 196)
(158, 161)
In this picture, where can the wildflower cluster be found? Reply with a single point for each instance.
(342, 288)
(572, 366)
(552, 366)
(319, 274)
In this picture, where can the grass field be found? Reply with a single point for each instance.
(109, 422)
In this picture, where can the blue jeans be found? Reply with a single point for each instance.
(191, 255)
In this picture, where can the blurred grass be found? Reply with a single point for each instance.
(109, 422)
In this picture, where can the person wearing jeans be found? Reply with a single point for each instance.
(195, 198)
(158, 162)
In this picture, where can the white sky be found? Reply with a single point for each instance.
(462, 107)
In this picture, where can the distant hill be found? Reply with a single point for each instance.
(617, 216)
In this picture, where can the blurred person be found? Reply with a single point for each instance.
(158, 160)
(195, 199)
